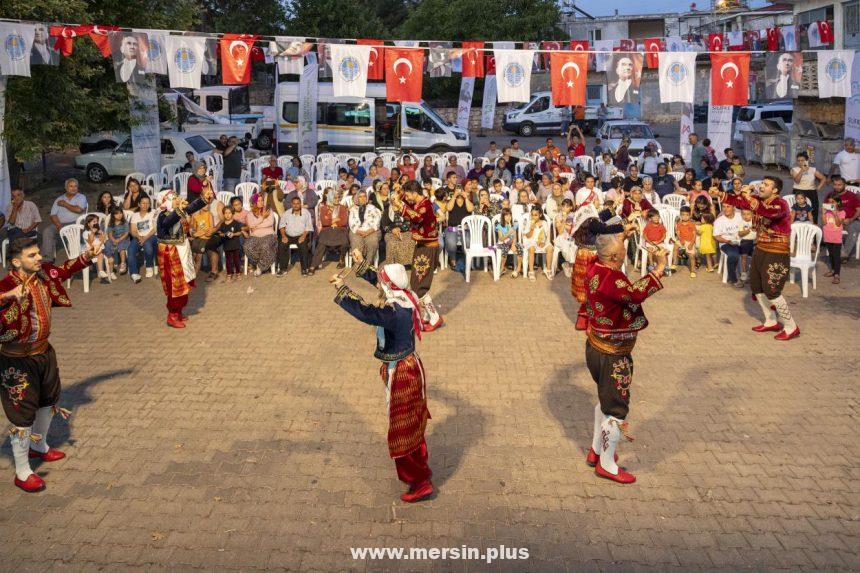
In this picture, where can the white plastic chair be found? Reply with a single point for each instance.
(144, 189)
(803, 237)
(285, 162)
(71, 237)
(224, 197)
(436, 182)
(154, 180)
(3, 249)
(326, 183)
(790, 199)
(140, 176)
(587, 163)
(668, 216)
(245, 191)
(465, 158)
(677, 175)
(180, 183)
(308, 161)
(523, 222)
(389, 160)
(245, 177)
(169, 171)
(472, 233)
(674, 200)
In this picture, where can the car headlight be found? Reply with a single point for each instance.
(460, 136)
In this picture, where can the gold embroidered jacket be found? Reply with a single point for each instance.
(15, 322)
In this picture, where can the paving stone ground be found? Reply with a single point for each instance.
(255, 439)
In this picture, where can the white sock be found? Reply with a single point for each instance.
(784, 314)
(769, 313)
(610, 434)
(21, 453)
(598, 418)
(41, 425)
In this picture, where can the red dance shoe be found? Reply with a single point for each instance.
(592, 457)
(51, 455)
(418, 493)
(581, 322)
(174, 321)
(32, 484)
(182, 317)
(783, 336)
(431, 327)
(621, 477)
(762, 328)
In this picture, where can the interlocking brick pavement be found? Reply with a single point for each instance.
(255, 439)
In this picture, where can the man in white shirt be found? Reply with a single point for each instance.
(726, 229)
(515, 149)
(294, 229)
(848, 161)
(493, 152)
(364, 222)
(65, 211)
(22, 217)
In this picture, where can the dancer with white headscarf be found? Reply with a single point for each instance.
(397, 321)
(175, 261)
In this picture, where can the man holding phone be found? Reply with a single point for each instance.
(771, 259)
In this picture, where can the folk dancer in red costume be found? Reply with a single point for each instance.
(29, 374)
(175, 261)
(771, 259)
(397, 322)
(615, 317)
(589, 222)
(418, 210)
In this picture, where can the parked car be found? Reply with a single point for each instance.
(119, 161)
(755, 112)
(639, 133)
(539, 115)
(102, 140)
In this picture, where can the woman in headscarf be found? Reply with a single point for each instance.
(261, 246)
(197, 180)
(397, 322)
(175, 261)
(399, 245)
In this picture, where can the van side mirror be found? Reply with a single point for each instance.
(656, 136)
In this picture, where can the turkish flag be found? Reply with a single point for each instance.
(236, 58)
(375, 67)
(548, 45)
(625, 45)
(404, 69)
(473, 59)
(773, 39)
(825, 31)
(652, 47)
(730, 73)
(579, 45)
(65, 36)
(569, 75)
(99, 35)
(715, 42)
(490, 64)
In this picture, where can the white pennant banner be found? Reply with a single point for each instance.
(514, 74)
(349, 69)
(16, 43)
(677, 77)
(185, 60)
(834, 73)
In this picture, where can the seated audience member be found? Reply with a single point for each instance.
(273, 171)
(536, 239)
(458, 207)
(190, 160)
(23, 217)
(296, 170)
(132, 196)
(429, 170)
(503, 173)
(295, 228)
(381, 169)
(453, 167)
(687, 184)
(726, 234)
(356, 170)
(408, 166)
(654, 234)
(261, 244)
(635, 204)
(801, 211)
(142, 227)
(563, 221)
(633, 179)
(664, 183)
(506, 240)
(364, 221)
(332, 231)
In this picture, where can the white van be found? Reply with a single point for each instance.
(755, 112)
(539, 115)
(371, 123)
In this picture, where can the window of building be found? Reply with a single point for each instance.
(594, 35)
(808, 17)
(214, 103)
(851, 19)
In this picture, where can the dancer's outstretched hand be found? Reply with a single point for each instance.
(14, 295)
(357, 257)
(336, 281)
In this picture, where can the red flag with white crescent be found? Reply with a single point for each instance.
(579, 45)
(65, 37)
(490, 64)
(236, 58)
(772, 39)
(653, 46)
(825, 31)
(625, 45)
(473, 59)
(99, 35)
(548, 45)
(376, 65)
(404, 69)
(730, 73)
(715, 42)
(569, 75)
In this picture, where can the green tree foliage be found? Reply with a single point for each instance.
(489, 20)
(261, 17)
(335, 19)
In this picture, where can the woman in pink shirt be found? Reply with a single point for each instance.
(261, 245)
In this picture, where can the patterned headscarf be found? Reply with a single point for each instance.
(165, 199)
(394, 281)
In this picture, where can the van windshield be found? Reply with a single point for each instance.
(746, 114)
(199, 143)
(631, 131)
(432, 113)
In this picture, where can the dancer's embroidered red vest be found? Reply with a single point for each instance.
(15, 316)
(423, 220)
(771, 221)
(614, 307)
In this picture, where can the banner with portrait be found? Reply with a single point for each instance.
(782, 72)
(130, 56)
(622, 78)
(439, 61)
(43, 52)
